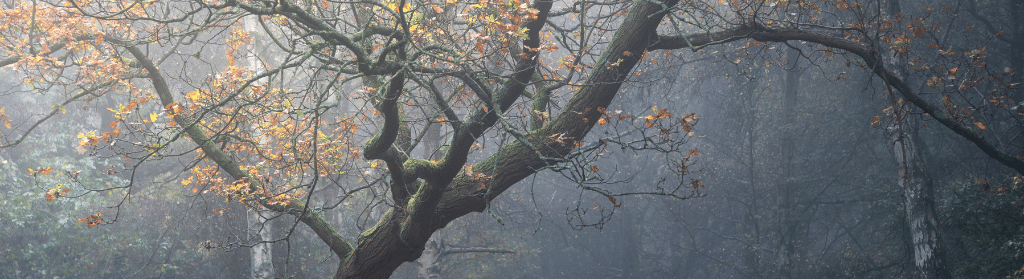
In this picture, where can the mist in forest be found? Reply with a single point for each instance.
(511, 139)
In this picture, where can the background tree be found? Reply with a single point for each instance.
(500, 91)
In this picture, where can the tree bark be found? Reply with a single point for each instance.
(262, 257)
(918, 200)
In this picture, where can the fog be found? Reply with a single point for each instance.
(515, 139)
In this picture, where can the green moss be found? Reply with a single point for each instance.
(416, 168)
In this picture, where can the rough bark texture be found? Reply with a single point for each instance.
(400, 236)
(918, 200)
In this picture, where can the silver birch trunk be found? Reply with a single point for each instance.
(260, 228)
(918, 199)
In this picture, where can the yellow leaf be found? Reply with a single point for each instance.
(193, 96)
(152, 117)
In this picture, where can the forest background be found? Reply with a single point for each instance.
(546, 139)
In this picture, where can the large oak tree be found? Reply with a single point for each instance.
(267, 135)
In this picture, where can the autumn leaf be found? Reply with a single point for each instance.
(152, 117)
(979, 125)
(46, 170)
(594, 168)
(3, 116)
(611, 199)
(602, 121)
(437, 9)
(876, 121)
(693, 152)
(696, 184)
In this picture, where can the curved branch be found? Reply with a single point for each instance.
(872, 59)
(298, 208)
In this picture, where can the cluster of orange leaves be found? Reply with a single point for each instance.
(56, 192)
(92, 220)
(5, 118)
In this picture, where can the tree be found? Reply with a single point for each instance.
(270, 137)
(233, 116)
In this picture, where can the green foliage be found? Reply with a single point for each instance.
(985, 225)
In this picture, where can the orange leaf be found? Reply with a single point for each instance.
(46, 170)
(979, 125)
(594, 168)
(611, 199)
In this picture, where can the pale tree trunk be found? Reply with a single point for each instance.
(262, 256)
(260, 228)
(791, 226)
(918, 199)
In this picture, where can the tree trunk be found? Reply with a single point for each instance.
(918, 201)
(260, 228)
(790, 224)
